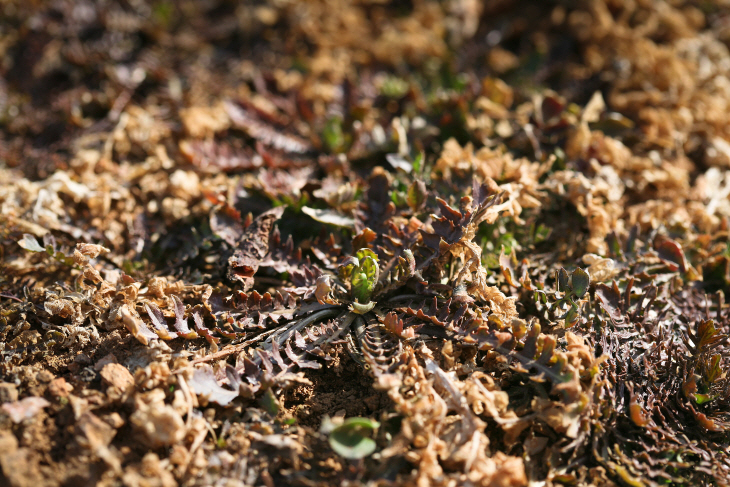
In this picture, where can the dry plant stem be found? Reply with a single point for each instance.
(6, 296)
(218, 355)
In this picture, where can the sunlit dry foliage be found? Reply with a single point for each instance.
(345, 243)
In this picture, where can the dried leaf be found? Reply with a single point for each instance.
(329, 217)
(28, 242)
(203, 383)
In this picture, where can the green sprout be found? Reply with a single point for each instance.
(351, 439)
(362, 272)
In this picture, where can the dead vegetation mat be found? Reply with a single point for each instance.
(364, 243)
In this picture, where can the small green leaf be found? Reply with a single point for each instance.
(562, 279)
(28, 242)
(269, 403)
(580, 280)
(364, 279)
(571, 317)
(418, 162)
(365, 252)
(713, 372)
(417, 195)
(399, 198)
(703, 398)
(352, 438)
(369, 267)
(614, 245)
(394, 87)
(334, 135)
(345, 270)
(364, 276)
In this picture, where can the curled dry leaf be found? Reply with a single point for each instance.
(329, 217)
(204, 383)
(252, 247)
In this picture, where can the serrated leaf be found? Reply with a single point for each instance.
(713, 371)
(707, 335)
(362, 239)
(322, 289)
(417, 195)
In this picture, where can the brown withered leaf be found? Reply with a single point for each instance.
(258, 129)
(252, 247)
(203, 383)
(211, 155)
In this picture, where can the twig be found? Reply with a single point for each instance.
(219, 355)
(10, 296)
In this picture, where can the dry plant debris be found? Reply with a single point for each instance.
(364, 243)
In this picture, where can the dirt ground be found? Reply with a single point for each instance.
(420, 243)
